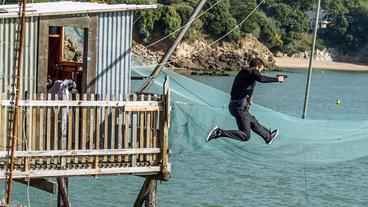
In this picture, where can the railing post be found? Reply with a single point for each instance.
(64, 127)
(165, 130)
(98, 135)
(134, 133)
(27, 123)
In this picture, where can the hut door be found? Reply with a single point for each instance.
(66, 55)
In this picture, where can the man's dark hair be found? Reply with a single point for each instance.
(256, 62)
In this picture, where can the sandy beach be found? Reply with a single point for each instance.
(297, 63)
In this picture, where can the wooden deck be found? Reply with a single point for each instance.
(88, 135)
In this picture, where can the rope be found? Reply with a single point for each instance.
(304, 169)
(216, 41)
(305, 177)
(191, 92)
(28, 197)
(237, 26)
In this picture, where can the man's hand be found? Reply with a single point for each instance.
(249, 100)
(280, 78)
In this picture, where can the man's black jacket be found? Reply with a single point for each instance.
(245, 82)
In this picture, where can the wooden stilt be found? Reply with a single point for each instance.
(152, 197)
(63, 200)
(148, 194)
(142, 194)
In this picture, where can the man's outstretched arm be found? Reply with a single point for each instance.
(265, 79)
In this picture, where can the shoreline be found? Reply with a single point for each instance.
(302, 64)
(288, 64)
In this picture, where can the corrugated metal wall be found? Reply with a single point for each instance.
(8, 30)
(114, 53)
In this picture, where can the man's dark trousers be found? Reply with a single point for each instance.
(245, 122)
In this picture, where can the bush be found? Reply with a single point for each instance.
(349, 26)
(305, 44)
(185, 10)
(170, 20)
(218, 21)
(240, 9)
(147, 22)
(270, 34)
(292, 23)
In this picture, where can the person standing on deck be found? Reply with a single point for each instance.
(241, 100)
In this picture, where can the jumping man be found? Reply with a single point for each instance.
(241, 100)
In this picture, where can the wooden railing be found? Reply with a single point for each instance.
(88, 135)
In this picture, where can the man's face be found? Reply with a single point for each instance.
(260, 68)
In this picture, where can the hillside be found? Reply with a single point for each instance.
(217, 59)
(281, 25)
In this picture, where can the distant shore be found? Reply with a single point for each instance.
(297, 63)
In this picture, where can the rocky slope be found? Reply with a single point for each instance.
(217, 59)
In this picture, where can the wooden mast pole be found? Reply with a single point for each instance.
(17, 92)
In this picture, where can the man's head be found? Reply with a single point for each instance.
(257, 63)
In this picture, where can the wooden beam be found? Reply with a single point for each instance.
(40, 183)
(31, 13)
(143, 108)
(58, 153)
(155, 105)
(85, 172)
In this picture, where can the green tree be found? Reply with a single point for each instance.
(347, 31)
(356, 33)
(219, 21)
(270, 34)
(185, 10)
(301, 5)
(170, 20)
(240, 9)
(292, 22)
(168, 2)
(146, 23)
(336, 30)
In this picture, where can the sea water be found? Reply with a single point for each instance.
(208, 177)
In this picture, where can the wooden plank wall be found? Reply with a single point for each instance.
(83, 123)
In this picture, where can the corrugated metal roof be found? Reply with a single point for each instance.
(67, 7)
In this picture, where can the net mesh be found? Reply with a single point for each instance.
(197, 108)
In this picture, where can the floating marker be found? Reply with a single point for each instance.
(338, 101)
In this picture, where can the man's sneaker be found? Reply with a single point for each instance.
(274, 134)
(213, 134)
